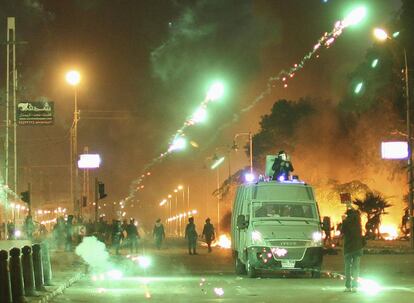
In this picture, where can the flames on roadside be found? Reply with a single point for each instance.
(223, 241)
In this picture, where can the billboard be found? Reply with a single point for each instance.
(35, 113)
(89, 161)
(394, 150)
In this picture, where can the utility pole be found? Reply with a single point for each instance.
(10, 72)
(96, 199)
(410, 153)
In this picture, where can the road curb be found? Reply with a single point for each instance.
(59, 290)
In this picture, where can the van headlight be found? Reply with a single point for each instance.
(317, 238)
(257, 238)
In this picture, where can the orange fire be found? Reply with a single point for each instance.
(223, 241)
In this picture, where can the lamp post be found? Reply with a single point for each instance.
(216, 165)
(73, 78)
(250, 146)
(382, 35)
(170, 209)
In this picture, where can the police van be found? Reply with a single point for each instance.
(275, 225)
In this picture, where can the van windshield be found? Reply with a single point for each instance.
(283, 210)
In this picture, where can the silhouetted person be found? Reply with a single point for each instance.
(282, 167)
(405, 223)
(29, 227)
(158, 233)
(132, 236)
(191, 236)
(11, 229)
(208, 233)
(69, 233)
(116, 235)
(353, 248)
(326, 227)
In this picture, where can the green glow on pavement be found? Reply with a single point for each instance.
(217, 163)
(369, 287)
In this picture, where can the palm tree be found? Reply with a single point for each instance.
(373, 205)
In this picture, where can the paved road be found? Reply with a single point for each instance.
(175, 277)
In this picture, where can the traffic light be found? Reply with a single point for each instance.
(25, 196)
(101, 190)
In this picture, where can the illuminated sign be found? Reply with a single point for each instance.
(89, 161)
(394, 150)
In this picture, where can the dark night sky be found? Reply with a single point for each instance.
(154, 60)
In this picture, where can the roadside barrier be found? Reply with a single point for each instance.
(5, 286)
(28, 271)
(24, 271)
(38, 267)
(47, 267)
(16, 276)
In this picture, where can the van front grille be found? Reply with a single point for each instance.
(288, 253)
(288, 243)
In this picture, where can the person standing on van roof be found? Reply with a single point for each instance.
(191, 235)
(282, 167)
(353, 248)
(208, 233)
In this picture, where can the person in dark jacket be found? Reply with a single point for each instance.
(116, 235)
(282, 167)
(208, 233)
(132, 236)
(158, 233)
(69, 233)
(191, 235)
(353, 248)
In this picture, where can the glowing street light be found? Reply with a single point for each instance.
(355, 16)
(216, 91)
(358, 87)
(374, 63)
(380, 34)
(73, 77)
(217, 163)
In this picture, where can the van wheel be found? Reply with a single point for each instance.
(316, 273)
(239, 267)
(251, 271)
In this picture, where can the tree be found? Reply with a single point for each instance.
(373, 205)
(278, 127)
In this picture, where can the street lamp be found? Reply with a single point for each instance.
(250, 146)
(215, 166)
(73, 78)
(382, 35)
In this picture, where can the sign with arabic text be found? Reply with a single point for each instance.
(35, 113)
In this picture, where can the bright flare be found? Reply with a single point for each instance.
(143, 261)
(374, 63)
(114, 274)
(224, 241)
(390, 231)
(355, 16)
(216, 91)
(369, 287)
(179, 143)
(380, 34)
(73, 77)
(200, 115)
